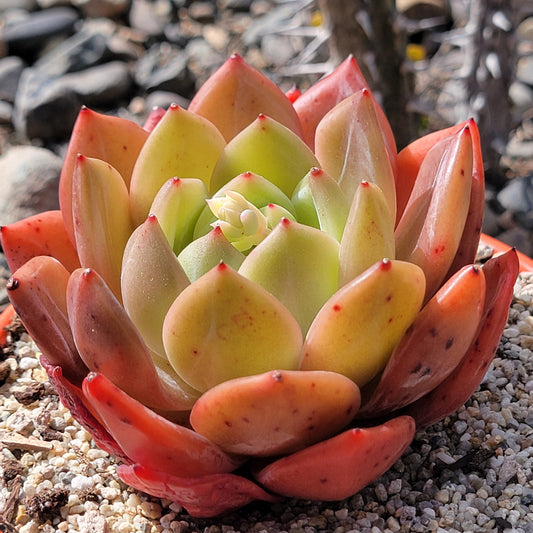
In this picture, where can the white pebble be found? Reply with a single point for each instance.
(80, 482)
(26, 363)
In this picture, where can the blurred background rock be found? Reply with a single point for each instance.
(432, 63)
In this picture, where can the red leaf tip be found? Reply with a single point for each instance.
(385, 264)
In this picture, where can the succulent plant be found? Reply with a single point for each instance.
(258, 297)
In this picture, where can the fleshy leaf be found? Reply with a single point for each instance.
(177, 206)
(434, 345)
(41, 234)
(224, 326)
(368, 235)
(150, 439)
(102, 218)
(277, 412)
(74, 400)
(37, 291)
(431, 227)
(269, 149)
(298, 265)
(151, 279)
(274, 214)
(469, 242)
(320, 203)
(357, 329)
(203, 497)
(411, 158)
(343, 82)
(350, 147)
(113, 139)
(236, 93)
(337, 468)
(500, 274)
(182, 145)
(109, 343)
(256, 189)
(207, 252)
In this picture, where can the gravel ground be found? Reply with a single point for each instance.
(471, 472)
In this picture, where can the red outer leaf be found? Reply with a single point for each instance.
(467, 251)
(500, 273)
(42, 234)
(526, 263)
(108, 342)
(410, 159)
(433, 345)
(339, 467)
(203, 497)
(156, 114)
(74, 400)
(37, 291)
(151, 440)
(5, 319)
(112, 139)
(344, 81)
(236, 94)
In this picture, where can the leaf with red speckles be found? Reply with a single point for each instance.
(236, 93)
(112, 139)
(341, 466)
(358, 327)
(41, 234)
(150, 439)
(433, 222)
(203, 496)
(409, 161)
(74, 400)
(500, 274)
(108, 342)
(276, 412)
(298, 265)
(224, 326)
(434, 344)
(37, 291)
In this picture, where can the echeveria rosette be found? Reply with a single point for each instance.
(232, 296)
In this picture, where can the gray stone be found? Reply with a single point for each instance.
(165, 68)
(524, 72)
(81, 51)
(102, 8)
(235, 5)
(100, 85)
(520, 149)
(6, 113)
(517, 198)
(44, 108)
(149, 18)
(27, 5)
(11, 68)
(204, 12)
(521, 96)
(29, 34)
(29, 180)
(277, 49)
(163, 99)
